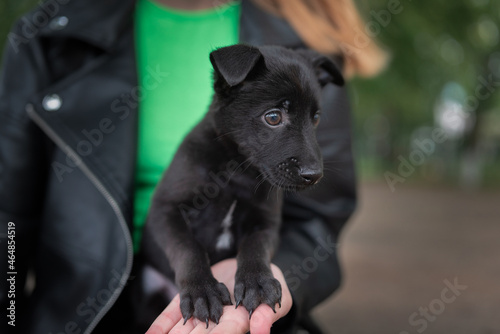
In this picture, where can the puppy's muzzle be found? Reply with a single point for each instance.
(299, 175)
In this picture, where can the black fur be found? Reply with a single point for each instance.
(235, 159)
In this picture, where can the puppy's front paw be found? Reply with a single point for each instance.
(253, 289)
(203, 299)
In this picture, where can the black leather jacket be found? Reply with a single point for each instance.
(68, 123)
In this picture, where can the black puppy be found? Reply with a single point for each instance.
(222, 194)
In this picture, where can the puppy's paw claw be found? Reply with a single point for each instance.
(204, 301)
(186, 307)
(253, 290)
(238, 303)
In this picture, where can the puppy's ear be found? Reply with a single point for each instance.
(235, 62)
(326, 70)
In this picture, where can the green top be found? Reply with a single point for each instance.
(176, 44)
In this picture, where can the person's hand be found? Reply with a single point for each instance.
(233, 321)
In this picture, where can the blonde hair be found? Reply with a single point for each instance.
(332, 27)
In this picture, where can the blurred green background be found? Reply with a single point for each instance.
(443, 77)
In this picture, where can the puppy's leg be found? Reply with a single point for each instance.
(202, 296)
(254, 281)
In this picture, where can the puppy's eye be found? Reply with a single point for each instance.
(273, 118)
(316, 118)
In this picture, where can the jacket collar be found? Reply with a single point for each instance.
(101, 22)
(98, 22)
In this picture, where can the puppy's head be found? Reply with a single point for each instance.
(267, 102)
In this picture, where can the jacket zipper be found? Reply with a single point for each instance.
(114, 205)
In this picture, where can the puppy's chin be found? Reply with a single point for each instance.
(287, 186)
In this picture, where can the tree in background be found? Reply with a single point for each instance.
(444, 75)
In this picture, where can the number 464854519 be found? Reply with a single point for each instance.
(11, 245)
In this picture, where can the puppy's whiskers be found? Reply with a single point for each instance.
(337, 171)
(280, 186)
(269, 191)
(272, 188)
(226, 134)
(238, 167)
(262, 175)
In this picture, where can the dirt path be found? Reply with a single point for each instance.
(419, 260)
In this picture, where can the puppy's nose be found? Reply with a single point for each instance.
(310, 176)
